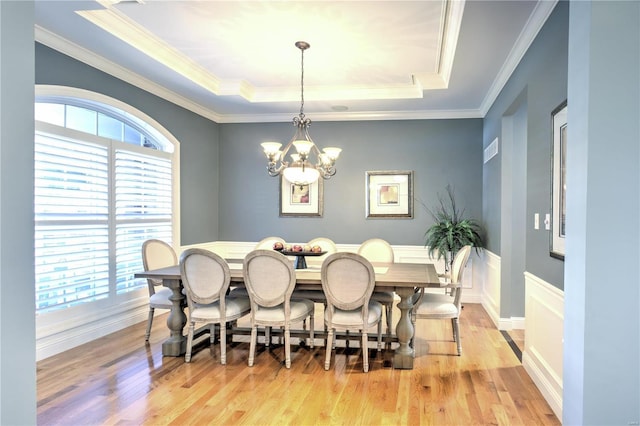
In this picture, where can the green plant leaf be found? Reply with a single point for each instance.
(450, 231)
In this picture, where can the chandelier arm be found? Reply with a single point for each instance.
(285, 151)
(326, 173)
(275, 171)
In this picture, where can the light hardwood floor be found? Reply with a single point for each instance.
(118, 380)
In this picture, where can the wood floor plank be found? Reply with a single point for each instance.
(118, 380)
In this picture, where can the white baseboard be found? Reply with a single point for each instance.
(513, 323)
(110, 321)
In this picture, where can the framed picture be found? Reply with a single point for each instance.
(559, 181)
(301, 200)
(389, 194)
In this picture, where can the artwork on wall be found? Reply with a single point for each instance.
(389, 194)
(559, 182)
(301, 200)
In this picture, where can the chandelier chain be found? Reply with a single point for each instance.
(302, 83)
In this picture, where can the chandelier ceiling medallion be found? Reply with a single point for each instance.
(301, 170)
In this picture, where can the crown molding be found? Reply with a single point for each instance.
(74, 51)
(83, 55)
(537, 19)
(356, 116)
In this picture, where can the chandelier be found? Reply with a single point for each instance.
(302, 169)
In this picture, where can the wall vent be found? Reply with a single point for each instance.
(491, 150)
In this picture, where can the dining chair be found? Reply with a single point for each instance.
(317, 296)
(445, 306)
(206, 278)
(264, 244)
(348, 280)
(270, 279)
(267, 243)
(327, 245)
(157, 254)
(379, 250)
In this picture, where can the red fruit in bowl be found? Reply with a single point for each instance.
(297, 248)
(278, 245)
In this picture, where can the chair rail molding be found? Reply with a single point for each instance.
(544, 337)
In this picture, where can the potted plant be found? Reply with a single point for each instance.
(451, 231)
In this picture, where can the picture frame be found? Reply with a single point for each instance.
(389, 194)
(559, 183)
(301, 200)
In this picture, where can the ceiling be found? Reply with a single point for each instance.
(236, 61)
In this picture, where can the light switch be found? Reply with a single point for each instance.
(547, 221)
(536, 221)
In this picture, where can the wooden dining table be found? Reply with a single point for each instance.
(402, 278)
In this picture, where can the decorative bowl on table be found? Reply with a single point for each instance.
(300, 252)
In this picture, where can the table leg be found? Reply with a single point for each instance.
(176, 344)
(403, 357)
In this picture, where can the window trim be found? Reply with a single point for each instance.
(58, 320)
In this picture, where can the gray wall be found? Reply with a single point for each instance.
(198, 137)
(538, 85)
(601, 368)
(17, 292)
(440, 152)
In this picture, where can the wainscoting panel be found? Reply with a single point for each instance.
(491, 286)
(544, 324)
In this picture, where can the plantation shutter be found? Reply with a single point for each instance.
(71, 201)
(142, 208)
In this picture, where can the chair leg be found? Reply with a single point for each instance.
(379, 336)
(311, 325)
(187, 355)
(453, 329)
(389, 316)
(456, 332)
(223, 344)
(324, 309)
(267, 336)
(252, 344)
(327, 357)
(365, 352)
(287, 347)
(212, 333)
(149, 324)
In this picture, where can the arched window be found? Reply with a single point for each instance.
(105, 181)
